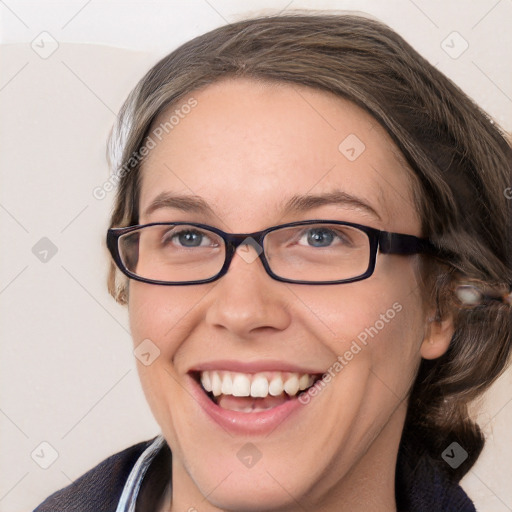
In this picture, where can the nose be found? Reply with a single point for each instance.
(246, 299)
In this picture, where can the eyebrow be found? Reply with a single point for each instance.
(301, 203)
(186, 203)
(296, 204)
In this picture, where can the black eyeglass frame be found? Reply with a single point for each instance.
(383, 241)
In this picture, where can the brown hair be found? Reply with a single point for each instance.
(460, 158)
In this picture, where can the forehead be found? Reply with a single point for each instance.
(246, 147)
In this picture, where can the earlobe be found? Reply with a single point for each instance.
(438, 334)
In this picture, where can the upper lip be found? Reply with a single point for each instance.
(253, 367)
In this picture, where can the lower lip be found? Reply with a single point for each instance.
(246, 423)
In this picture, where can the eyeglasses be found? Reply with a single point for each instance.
(307, 252)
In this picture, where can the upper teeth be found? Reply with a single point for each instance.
(258, 385)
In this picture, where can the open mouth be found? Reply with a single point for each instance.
(253, 392)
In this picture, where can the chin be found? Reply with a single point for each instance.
(254, 489)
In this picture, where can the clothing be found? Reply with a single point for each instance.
(135, 480)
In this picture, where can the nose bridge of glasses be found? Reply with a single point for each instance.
(247, 246)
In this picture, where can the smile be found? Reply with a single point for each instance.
(247, 392)
(251, 399)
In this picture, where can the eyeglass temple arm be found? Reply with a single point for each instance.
(395, 243)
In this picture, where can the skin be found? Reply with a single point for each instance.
(245, 149)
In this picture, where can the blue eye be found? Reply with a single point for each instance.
(189, 238)
(319, 237)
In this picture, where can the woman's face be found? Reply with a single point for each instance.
(242, 153)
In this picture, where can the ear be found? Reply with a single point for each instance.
(438, 334)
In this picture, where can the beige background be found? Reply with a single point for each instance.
(67, 373)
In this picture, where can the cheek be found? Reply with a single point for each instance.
(160, 319)
(388, 343)
(162, 314)
(395, 341)
(367, 311)
(375, 325)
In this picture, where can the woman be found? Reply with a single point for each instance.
(312, 236)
